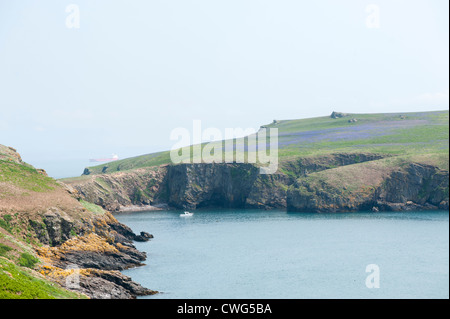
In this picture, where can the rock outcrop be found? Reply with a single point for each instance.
(8, 153)
(336, 115)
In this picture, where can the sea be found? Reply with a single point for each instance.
(258, 254)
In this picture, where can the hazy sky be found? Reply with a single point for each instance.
(135, 70)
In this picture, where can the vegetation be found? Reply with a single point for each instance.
(5, 222)
(4, 249)
(137, 196)
(25, 177)
(27, 260)
(92, 207)
(18, 283)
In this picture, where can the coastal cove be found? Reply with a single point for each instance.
(245, 253)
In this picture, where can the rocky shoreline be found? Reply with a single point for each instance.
(90, 263)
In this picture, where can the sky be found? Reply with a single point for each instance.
(86, 79)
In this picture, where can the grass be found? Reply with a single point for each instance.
(5, 222)
(92, 207)
(25, 177)
(27, 260)
(18, 283)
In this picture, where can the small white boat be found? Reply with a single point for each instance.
(186, 214)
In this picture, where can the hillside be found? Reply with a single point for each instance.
(335, 163)
(49, 237)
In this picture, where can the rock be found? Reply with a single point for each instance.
(336, 115)
(144, 236)
(98, 288)
(10, 154)
(124, 282)
(124, 259)
(41, 171)
(56, 227)
(444, 205)
(101, 284)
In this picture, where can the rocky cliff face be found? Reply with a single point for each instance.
(337, 182)
(416, 184)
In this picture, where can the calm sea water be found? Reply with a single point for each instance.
(275, 254)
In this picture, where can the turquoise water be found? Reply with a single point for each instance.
(275, 254)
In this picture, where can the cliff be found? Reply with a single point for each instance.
(48, 234)
(338, 182)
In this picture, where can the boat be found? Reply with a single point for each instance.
(113, 158)
(186, 214)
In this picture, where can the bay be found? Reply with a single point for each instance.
(237, 253)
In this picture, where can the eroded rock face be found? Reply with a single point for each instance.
(56, 227)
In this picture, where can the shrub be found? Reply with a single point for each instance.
(4, 249)
(27, 260)
(5, 222)
(137, 196)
